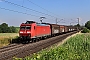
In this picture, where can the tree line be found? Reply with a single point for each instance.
(86, 29)
(4, 28)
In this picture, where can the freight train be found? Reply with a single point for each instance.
(33, 30)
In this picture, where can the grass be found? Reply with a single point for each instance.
(75, 48)
(5, 38)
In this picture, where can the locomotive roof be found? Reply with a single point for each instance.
(41, 24)
(30, 22)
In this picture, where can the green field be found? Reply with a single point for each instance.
(5, 38)
(75, 48)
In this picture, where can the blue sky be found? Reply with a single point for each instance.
(68, 10)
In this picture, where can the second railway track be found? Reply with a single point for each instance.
(10, 47)
(27, 49)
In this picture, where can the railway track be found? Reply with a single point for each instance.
(25, 50)
(7, 46)
(10, 47)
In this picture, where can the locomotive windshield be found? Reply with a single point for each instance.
(25, 27)
(28, 27)
(22, 27)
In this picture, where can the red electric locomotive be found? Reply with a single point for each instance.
(31, 29)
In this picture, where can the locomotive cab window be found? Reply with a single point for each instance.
(25, 27)
(28, 27)
(22, 27)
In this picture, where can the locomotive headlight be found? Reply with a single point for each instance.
(21, 32)
(28, 32)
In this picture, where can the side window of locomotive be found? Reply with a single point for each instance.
(22, 27)
(28, 27)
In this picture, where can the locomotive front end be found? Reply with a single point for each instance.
(25, 32)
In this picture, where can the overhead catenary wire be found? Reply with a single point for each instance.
(18, 12)
(22, 2)
(42, 8)
(27, 8)
(37, 5)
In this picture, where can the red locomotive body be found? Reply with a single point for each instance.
(42, 30)
(32, 29)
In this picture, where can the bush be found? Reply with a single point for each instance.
(87, 24)
(85, 30)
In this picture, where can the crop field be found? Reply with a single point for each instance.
(6, 37)
(75, 48)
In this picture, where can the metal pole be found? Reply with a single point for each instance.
(78, 23)
(56, 21)
(78, 20)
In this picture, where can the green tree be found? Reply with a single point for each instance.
(4, 28)
(87, 24)
(85, 30)
(9, 29)
(0, 29)
(78, 25)
(12, 29)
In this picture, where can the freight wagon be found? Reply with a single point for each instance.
(62, 29)
(55, 29)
